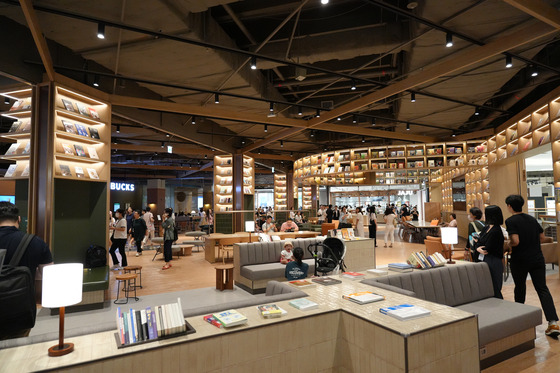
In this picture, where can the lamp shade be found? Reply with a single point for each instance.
(249, 226)
(62, 285)
(449, 236)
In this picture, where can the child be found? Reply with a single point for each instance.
(296, 269)
(287, 254)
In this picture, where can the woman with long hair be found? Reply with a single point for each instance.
(389, 218)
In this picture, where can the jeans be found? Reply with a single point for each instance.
(118, 243)
(519, 271)
(167, 252)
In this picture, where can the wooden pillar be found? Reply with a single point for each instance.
(290, 191)
(156, 196)
(314, 197)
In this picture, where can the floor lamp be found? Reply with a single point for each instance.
(62, 287)
(449, 236)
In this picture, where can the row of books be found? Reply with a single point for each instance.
(149, 324)
(225, 200)
(423, 261)
(11, 171)
(80, 129)
(225, 190)
(65, 171)
(17, 149)
(80, 151)
(80, 108)
(20, 126)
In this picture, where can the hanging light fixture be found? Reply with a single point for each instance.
(101, 30)
(354, 118)
(96, 80)
(266, 128)
(162, 145)
(193, 120)
(299, 110)
(449, 40)
(534, 71)
(318, 113)
(353, 86)
(509, 61)
(408, 126)
(216, 98)
(281, 143)
(253, 63)
(363, 139)
(271, 107)
(373, 122)
(413, 97)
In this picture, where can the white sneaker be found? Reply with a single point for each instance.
(138, 254)
(114, 268)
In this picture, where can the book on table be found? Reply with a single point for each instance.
(270, 311)
(405, 312)
(212, 320)
(301, 283)
(326, 281)
(400, 267)
(353, 275)
(364, 297)
(303, 304)
(230, 318)
(377, 271)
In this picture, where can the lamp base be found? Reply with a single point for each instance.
(58, 351)
(450, 261)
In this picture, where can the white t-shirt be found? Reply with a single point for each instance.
(320, 214)
(148, 216)
(120, 234)
(288, 255)
(389, 220)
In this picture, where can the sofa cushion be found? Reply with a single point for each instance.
(498, 318)
(449, 285)
(258, 272)
(269, 252)
(96, 279)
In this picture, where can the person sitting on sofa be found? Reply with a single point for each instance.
(287, 255)
(297, 269)
(289, 226)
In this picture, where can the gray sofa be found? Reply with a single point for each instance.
(504, 328)
(257, 263)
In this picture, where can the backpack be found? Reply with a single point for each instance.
(17, 293)
(175, 233)
(96, 256)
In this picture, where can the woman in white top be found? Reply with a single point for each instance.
(389, 226)
(118, 240)
(359, 222)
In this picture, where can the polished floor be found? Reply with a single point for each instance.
(192, 272)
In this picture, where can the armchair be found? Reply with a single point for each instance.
(433, 244)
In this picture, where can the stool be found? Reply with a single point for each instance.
(129, 280)
(224, 277)
(137, 269)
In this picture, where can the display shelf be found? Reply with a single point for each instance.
(280, 192)
(223, 183)
(248, 175)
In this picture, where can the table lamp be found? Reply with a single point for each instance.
(62, 287)
(250, 228)
(449, 236)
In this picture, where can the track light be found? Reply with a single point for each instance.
(453, 134)
(216, 98)
(6, 100)
(413, 97)
(354, 118)
(193, 120)
(167, 135)
(299, 110)
(281, 143)
(271, 108)
(242, 142)
(338, 118)
(101, 31)
(162, 145)
(363, 139)
(312, 133)
(118, 128)
(408, 126)
(353, 87)
(534, 71)
(96, 80)
(476, 111)
(253, 63)
(318, 113)
(205, 156)
(266, 128)
(373, 122)
(509, 62)
(291, 154)
(449, 40)
(259, 151)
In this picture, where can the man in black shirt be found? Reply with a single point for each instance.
(36, 256)
(526, 235)
(329, 214)
(336, 213)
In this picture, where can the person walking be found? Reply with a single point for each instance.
(359, 222)
(149, 219)
(329, 214)
(372, 224)
(389, 218)
(490, 246)
(526, 235)
(168, 225)
(118, 240)
(129, 218)
(139, 231)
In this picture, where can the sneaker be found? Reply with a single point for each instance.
(138, 254)
(552, 331)
(114, 268)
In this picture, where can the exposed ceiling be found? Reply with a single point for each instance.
(309, 56)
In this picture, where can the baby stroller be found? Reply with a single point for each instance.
(328, 255)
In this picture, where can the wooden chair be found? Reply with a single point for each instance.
(326, 227)
(225, 245)
(433, 244)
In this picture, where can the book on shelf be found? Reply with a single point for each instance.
(364, 297)
(68, 149)
(82, 131)
(11, 170)
(80, 152)
(544, 139)
(65, 170)
(271, 311)
(69, 127)
(25, 172)
(528, 145)
(68, 105)
(82, 109)
(92, 173)
(15, 126)
(400, 153)
(405, 312)
(353, 275)
(93, 113)
(92, 152)
(12, 150)
(230, 318)
(301, 283)
(16, 105)
(303, 304)
(27, 148)
(94, 133)
(326, 281)
(25, 126)
(79, 172)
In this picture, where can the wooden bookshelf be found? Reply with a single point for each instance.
(223, 183)
(280, 192)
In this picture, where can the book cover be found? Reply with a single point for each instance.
(82, 109)
(11, 170)
(94, 133)
(68, 105)
(15, 126)
(326, 281)
(27, 148)
(68, 149)
(81, 130)
(93, 113)
(12, 149)
(25, 126)
(92, 173)
(212, 320)
(353, 275)
(405, 312)
(65, 170)
(69, 127)
(150, 322)
(300, 283)
(92, 152)
(25, 172)
(16, 105)
(79, 171)
(364, 297)
(270, 311)
(80, 152)
(144, 325)
(230, 318)
(154, 324)
(303, 304)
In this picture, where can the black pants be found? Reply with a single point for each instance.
(118, 243)
(167, 252)
(496, 272)
(138, 242)
(519, 271)
(373, 232)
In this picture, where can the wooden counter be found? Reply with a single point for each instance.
(360, 254)
(338, 336)
(212, 240)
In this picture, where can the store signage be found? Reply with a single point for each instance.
(125, 187)
(405, 192)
